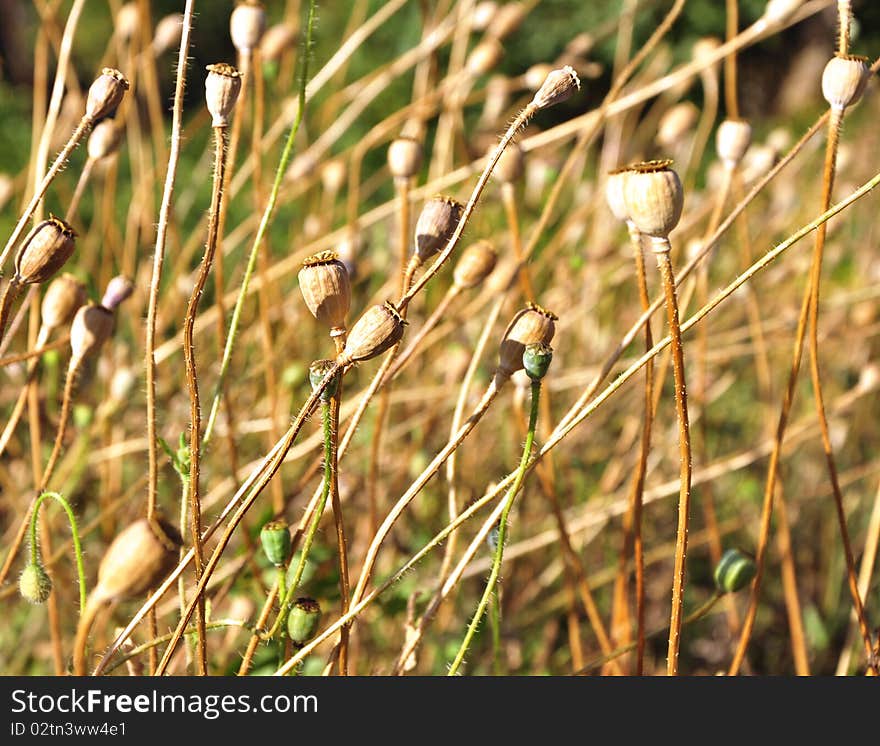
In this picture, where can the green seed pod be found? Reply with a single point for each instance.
(317, 372)
(303, 620)
(35, 585)
(275, 538)
(735, 571)
(536, 360)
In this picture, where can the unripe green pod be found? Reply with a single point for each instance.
(536, 360)
(735, 571)
(35, 585)
(275, 538)
(303, 620)
(318, 370)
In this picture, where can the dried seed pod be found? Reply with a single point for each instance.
(128, 21)
(534, 77)
(704, 47)
(277, 40)
(318, 371)
(34, 584)
(675, 124)
(137, 559)
(222, 87)
(45, 250)
(614, 186)
(536, 360)
(654, 197)
(779, 11)
(732, 141)
(326, 289)
(275, 538)
(405, 157)
(559, 85)
(475, 265)
(485, 56)
(333, 175)
(91, 328)
(168, 33)
(511, 165)
(734, 571)
(531, 325)
(63, 297)
(104, 139)
(436, 224)
(105, 94)
(246, 26)
(844, 80)
(377, 330)
(483, 14)
(350, 247)
(303, 620)
(507, 19)
(118, 290)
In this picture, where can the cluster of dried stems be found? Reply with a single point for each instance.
(415, 374)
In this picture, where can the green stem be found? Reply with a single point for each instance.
(77, 549)
(502, 531)
(261, 231)
(495, 621)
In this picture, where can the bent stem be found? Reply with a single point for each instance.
(502, 531)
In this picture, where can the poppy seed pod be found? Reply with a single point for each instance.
(536, 360)
(168, 32)
(318, 371)
(118, 290)
(779, 11)
(277, 39)
(105, 94)
(559, 85)
(534, 77)
(511, 165)
(303, 620)
(326, 289)
(404, 157)
(275, 538)
(91, 327)
(676, 123)
(654, 197)
(704, 47)
(137, 559)
(104, 139)
(377, 330)
(333, 175)
(128, 21)
(531, 325)
(844, 80)
(732, 141)
(46, 249)
(483, 14)
(246, 26)
(507, 19)
(436, 224)
(63, 297)
(485, 56)
(614, 185)
(475, 265)
(34, 584)
(734, 571)
(222, 87)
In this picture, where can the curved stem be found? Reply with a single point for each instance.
(74, 530)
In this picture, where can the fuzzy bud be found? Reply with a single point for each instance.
(275, 538)
(45, 250)
(168, 32)
(404, 157)
(105, 94)
(559, 85)
(318, 371)
(222, 87)
(119, 289)
(303, 620)
(536, 360)
(63, 297)
(844, 80)
(436, 224)
(377, 330)
(475, 265)
(654, 197)
(326, 289)
(34, 584)
(104, 139)
(732, 141)
(137, 559)
(531, 325)
(91, 328)
(246, 26)
(734, 571)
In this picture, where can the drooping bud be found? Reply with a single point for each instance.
(222, 87)
(404, 157)
(45, 250)
(318, 371)
(536, 360)
(275, 538)
(654, 197)
(531, 325)
(734, 571)
(63, 297)
(436, 224)
(326, 289)
(34, 584)
(303, 620)
(559, 85)
(732, 141)
(475, 265)
(104, 139)
(377, 330)
(246, 26)
(91, 328)
(105, 94)
(118, 290)
(844, 80)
